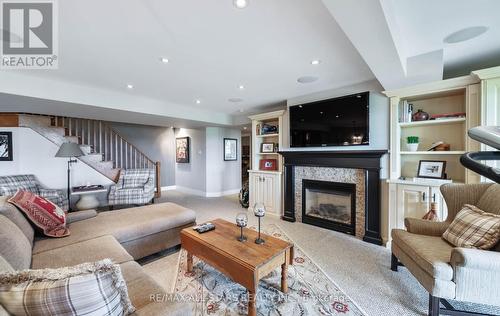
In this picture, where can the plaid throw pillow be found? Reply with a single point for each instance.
(42, 213)
(473, 228)
(87, 289)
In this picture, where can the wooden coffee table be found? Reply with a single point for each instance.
(244, 262)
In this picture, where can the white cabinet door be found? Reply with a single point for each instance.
(413, 201)
(255, 189)
(265, 188)
(269, 192)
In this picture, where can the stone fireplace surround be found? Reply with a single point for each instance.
(359, 167)
(342, 175)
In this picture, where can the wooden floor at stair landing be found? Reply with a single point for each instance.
(244, 262)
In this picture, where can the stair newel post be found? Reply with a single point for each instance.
(157, 178)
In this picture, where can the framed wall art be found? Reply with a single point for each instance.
(6, 146)
(230, 149)
(182, 150)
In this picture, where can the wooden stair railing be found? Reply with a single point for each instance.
(103, 139)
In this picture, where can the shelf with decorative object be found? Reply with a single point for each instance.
(458, 120)
(436, 153)
(265, 178)
(267, 135)
(410, 196)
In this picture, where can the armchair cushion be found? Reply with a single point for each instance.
(474, 228)
(431, 253)
(425, 227)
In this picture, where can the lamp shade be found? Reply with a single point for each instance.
(69, 150)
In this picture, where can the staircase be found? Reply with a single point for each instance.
(105, 150)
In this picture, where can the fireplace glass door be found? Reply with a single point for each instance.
(329, 204)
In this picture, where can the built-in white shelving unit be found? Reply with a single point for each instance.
(265, 185)
(410, 196)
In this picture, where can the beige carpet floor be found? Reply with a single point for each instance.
(360, 269)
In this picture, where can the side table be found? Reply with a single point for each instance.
(88, 199)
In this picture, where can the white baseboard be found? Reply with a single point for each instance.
(190, 191)
(205, 194)
(223, 193)
(168, 188)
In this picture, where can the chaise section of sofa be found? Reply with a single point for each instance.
(142, 231)
(122, 235)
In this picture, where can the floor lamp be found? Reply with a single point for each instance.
(69, 150)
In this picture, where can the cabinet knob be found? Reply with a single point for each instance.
(434, 197)
(423, 196)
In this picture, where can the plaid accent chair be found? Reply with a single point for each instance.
(10, 184)
(134, 186)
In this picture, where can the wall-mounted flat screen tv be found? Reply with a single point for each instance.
(340, 121)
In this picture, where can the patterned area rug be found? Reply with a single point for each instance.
(311, 292)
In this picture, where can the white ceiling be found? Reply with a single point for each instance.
(212, 46)
(423, 24)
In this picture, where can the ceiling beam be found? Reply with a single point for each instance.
(372, 28)
(77, 96)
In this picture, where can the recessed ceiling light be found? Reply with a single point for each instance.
(315, 62)
(198, 101)
(241, 87)
(235, 100)
(240, 4)
(465, 34)
(307, 79)
(130, 86)
(164, 60)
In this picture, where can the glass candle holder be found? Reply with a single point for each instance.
(241, 222)
(259, 210)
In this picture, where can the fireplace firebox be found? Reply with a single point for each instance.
(330, 205)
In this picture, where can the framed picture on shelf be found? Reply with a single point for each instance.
(5, 146)
(268, 164)
(230, 149)
(267, 148)
(432, 169)
(182, 150)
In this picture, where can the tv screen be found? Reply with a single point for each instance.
(340, 121)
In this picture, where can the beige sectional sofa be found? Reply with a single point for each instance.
(123, 236)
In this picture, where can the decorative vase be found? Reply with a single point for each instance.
(412, 147)
(259, 211)
(420, 116)
(241, 222)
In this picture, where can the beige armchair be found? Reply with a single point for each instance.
(446, 272)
